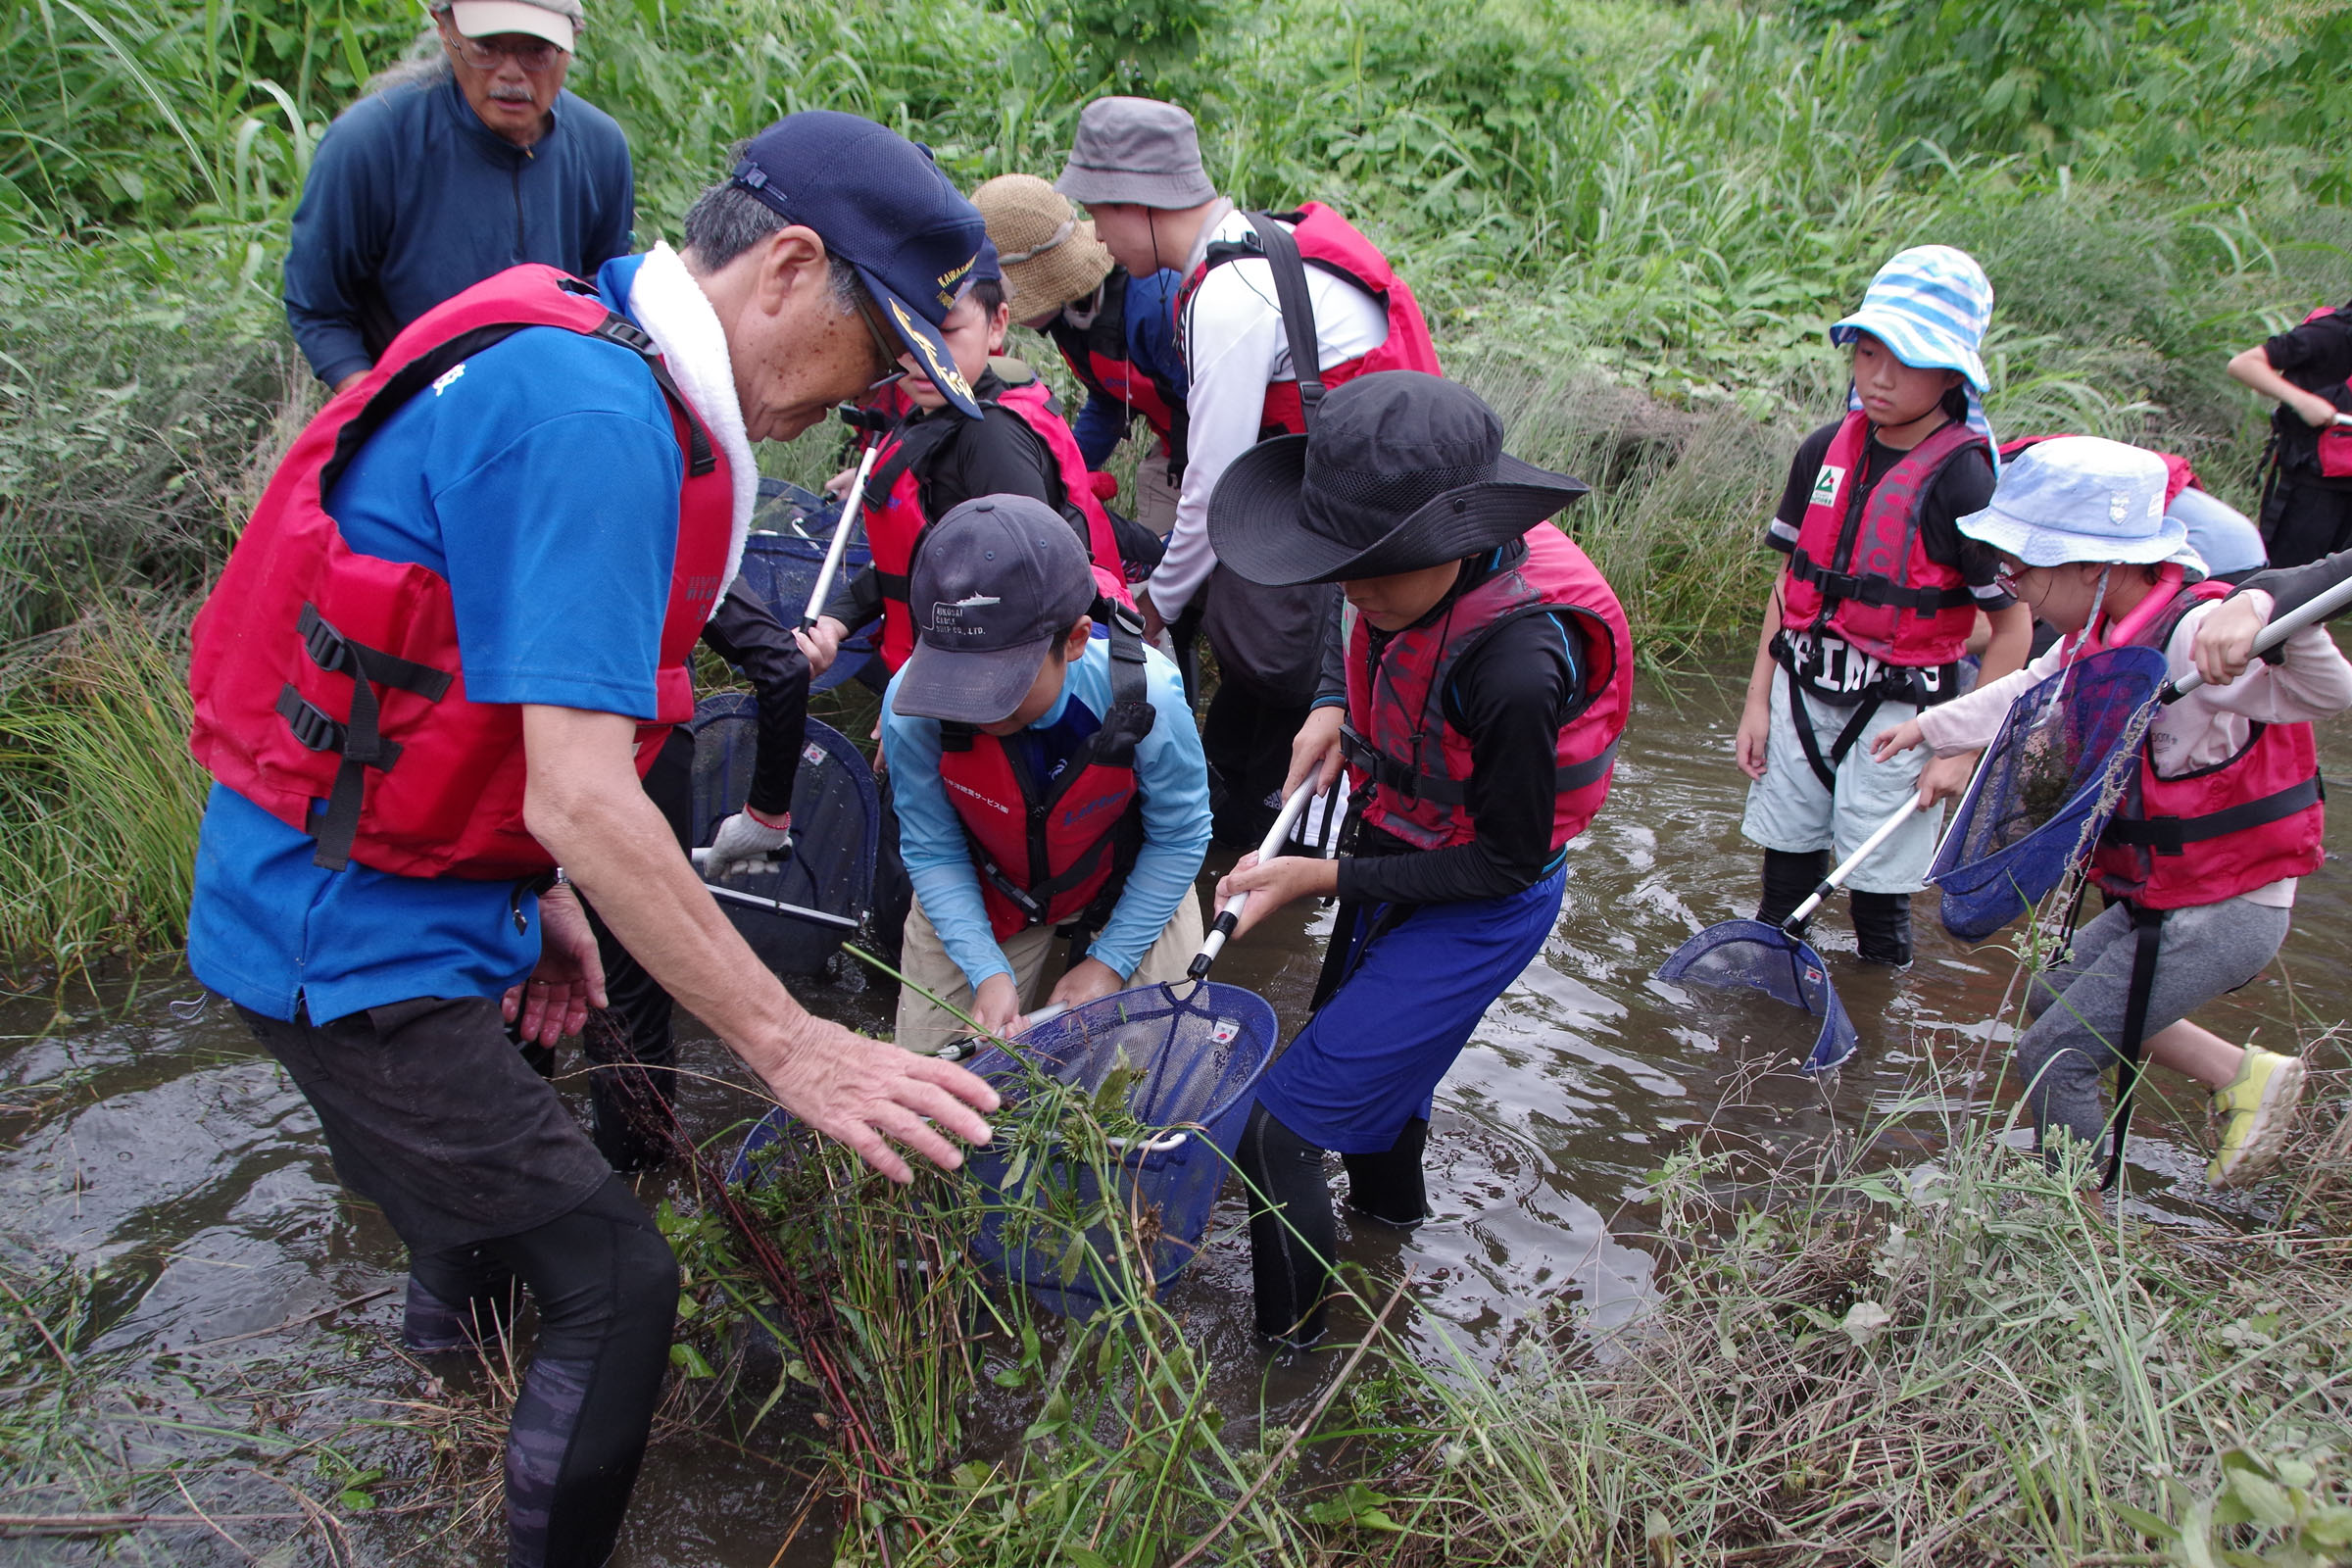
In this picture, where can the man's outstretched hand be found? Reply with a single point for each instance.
(872, 1095)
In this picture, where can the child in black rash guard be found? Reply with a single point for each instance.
(1483, 685)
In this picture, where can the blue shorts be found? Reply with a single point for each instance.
(1370, 1060)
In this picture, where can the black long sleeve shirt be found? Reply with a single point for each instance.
(996, 454)
(1511, 696)
(743, 633)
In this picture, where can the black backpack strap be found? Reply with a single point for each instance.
(2147, 933)
(916, 444)
(1297, 310)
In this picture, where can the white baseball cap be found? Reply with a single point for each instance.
(559, 21)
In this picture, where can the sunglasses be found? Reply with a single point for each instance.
(533, 55)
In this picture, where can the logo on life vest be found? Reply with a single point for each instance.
(1825, 485)
(995, 806)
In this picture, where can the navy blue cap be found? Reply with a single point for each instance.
(879, 203)
(996, 584)
(987, 269)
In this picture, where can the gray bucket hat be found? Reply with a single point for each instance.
(1136, 150)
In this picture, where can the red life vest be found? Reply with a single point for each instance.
(1329, 241)
(2178, 475)
(895, 525)
(1418, 765)
(323, 674)
(2334, 441)
(1050, 852)
(1096, 354)
(2218, 831)
(1860, 570)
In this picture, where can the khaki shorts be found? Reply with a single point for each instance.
(1035, 957)
(1789, 809)
(1155, 492)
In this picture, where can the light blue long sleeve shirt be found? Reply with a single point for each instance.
(1171, 775)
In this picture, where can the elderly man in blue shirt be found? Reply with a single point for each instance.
(465, 166)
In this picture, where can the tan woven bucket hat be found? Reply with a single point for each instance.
(1049, 253)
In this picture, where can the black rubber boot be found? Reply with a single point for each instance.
(1390, 1186)
(1789, 878)
(1883, 927)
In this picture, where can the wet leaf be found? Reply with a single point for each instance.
(689, 1361)
(2265, 1502)
(1359, 1507)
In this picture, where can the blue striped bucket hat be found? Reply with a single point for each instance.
(1930, 305)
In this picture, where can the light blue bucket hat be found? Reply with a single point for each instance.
(2082, 498)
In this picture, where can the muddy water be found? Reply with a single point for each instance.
(157, 1143)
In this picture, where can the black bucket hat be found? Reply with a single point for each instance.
(1404, 470)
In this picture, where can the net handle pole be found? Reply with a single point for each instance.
(852, 504)
(2277, 632)
(1796, 923)
(775, 905)
(1231, 915)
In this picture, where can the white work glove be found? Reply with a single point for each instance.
(747, 841)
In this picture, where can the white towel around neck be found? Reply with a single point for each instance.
(666, 301)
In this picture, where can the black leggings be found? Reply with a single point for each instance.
(607, 1289)
(1293, 1232)
(1882, 920)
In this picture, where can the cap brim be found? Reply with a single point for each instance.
(1255, 527)
(1922, 348)
(930, 349)
(1174, 192)
(486, 19)
(967, 687)
(2039, 545)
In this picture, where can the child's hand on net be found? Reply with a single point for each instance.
(2224, 642)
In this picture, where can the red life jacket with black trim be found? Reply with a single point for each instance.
(1098, 354)
(2334, 443)
(895, 523)
(1329, 241)
(1860, 570)
(1418, 765)
(2215, 832)
(1058, 850)
(321, 674)
(2178, 475)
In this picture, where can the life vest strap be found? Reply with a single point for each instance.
(1397, 775)
(2167, 835)
(361, 743)
(1869, 588)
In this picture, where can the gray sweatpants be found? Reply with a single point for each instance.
(2078, 1006)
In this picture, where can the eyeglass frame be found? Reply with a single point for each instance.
(482, 55)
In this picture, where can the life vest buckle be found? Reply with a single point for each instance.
(312, 728)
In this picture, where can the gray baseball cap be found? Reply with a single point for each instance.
(1136, 150)
(996, 584)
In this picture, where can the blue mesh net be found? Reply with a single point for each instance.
(1766, 959)
(1194, 1053)
(2045, 788)
(836, 824)
(790, 532)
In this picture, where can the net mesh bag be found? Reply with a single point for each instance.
(836, 824)
(791, 530)
(1764, 957)
(1191, 1066)
(2044, 787)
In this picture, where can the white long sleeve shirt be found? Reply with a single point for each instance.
(2209, 725)
(1234, 346)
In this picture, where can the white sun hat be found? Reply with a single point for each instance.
(2081, 498)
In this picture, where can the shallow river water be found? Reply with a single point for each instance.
(159, 1144)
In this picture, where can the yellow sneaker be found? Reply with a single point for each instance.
(2255, 1110)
